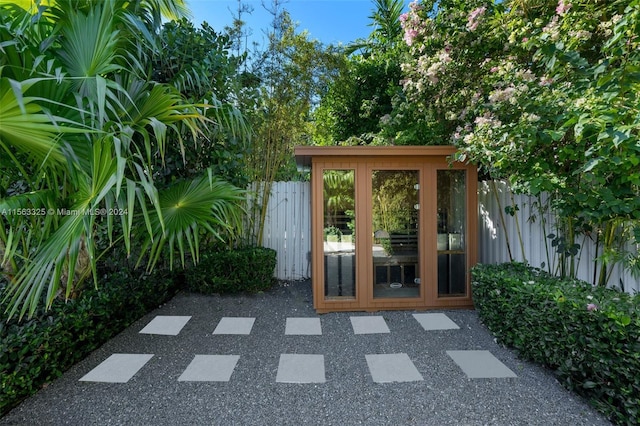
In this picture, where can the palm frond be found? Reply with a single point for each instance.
(57, 255)
(27, 127)
(227, 119)
(188, 207)
(89, 47)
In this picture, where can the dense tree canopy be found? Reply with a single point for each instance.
(542, 93)
(360, 100)
(200, 64)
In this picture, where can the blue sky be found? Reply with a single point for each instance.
(330, 21)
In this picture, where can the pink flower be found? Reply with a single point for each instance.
(415, 6)
(494, 69)
(525, 39)
(592, 307)
(409, 35)
(562, 7)
(546, 81)
(473, 20)
(404, 17)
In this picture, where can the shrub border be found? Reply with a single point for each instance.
(589, 336)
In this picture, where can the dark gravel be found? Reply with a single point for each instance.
(349, 396)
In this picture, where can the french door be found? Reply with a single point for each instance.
(394, 235)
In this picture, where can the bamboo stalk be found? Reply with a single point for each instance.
(515, 215)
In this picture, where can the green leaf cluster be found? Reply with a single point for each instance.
(86, 128)
(359, 101)
(223, 271)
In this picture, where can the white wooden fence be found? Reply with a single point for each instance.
(534, 228)
(288, 231)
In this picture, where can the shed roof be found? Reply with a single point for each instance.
(304, 154)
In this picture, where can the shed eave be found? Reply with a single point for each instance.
(304, 154)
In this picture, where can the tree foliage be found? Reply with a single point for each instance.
(542, 93)
(360, 100)
(294, 72)
(199, 62)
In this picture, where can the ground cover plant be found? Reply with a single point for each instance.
(589, 336)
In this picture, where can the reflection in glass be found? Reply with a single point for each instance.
(339, 233)
(452, 219)
(394, 218)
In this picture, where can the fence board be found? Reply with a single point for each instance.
(288, 229)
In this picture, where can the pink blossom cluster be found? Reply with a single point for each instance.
(562, 7)
(474, 18)
(546, 81)
(431, 68)
(526, 75)
(411, 22)
(503, 95)
(487, 120)
(553, 28)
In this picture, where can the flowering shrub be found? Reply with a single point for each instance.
(544, 94)
(589, 336)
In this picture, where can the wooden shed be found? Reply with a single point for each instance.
(392, 227)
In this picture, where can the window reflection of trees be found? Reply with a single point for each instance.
(339, 201)
(394, 198)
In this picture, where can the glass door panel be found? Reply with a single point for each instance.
(394, 220)
(339, 234)
(452, 220)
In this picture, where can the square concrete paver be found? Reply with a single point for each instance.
(480, 364)
(210, 368)
(118, 368)
(303, 326)
(369, 325)
(165, 325)
(234, 325)
(297, 368)
(435, 322)
(389, 368)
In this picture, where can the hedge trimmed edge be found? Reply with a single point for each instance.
(589, 336)
(37, 351)
(248, 269)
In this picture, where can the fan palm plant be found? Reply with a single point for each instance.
(82, 127)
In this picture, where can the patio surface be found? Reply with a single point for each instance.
(270, 359)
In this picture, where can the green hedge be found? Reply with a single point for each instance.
(37, 351)
(590, 336)
(232, 271)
